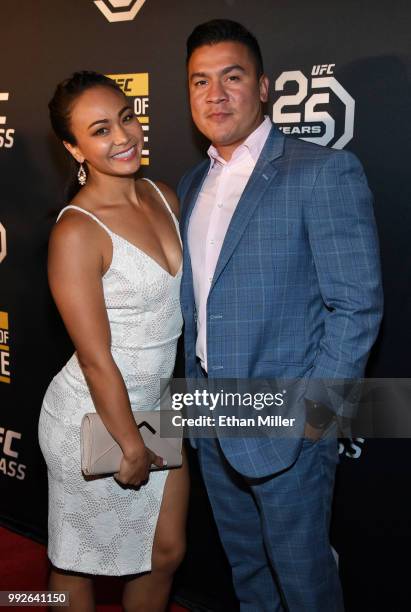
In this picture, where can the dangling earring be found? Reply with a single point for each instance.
(81, 175)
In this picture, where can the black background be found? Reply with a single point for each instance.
(42, 42)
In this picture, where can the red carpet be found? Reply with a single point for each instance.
(24, 567)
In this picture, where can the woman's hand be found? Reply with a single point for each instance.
(134, 467)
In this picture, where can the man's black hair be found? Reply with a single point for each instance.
(225, 30)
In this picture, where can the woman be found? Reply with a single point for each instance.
(114, 272)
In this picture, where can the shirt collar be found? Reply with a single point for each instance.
(253, 144)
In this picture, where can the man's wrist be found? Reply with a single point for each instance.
(318, 415)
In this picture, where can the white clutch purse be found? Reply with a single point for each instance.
(100, 453)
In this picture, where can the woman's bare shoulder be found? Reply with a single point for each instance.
(169, 195)
(75, 233)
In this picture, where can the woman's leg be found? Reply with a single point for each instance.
(79, 587)
(150, 592)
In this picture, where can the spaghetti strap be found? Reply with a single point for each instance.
(86, 212)
(161, 194)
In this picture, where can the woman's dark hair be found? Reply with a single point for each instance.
(225, 30)
(60, 107)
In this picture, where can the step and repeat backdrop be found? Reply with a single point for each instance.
(339, 76)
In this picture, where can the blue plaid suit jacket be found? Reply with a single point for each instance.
(297, 288)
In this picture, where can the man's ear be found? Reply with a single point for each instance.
(74, 151)
(264, 84)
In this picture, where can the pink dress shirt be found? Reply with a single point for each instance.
(215, 206)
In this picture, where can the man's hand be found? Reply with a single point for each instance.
(318, 418)
(312, 433)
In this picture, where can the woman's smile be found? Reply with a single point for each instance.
(126, 155)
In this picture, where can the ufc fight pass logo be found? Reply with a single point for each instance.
(9, 464)
(119, 10)
(6, 134)
(317, 109)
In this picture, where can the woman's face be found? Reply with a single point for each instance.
(108, 135)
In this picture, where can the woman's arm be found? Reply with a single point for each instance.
(75, 268)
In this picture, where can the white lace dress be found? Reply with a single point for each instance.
(96, 526)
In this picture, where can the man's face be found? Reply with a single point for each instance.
(226, 94)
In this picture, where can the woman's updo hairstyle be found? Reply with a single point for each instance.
(60, 107)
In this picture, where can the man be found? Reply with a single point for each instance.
(281, 279)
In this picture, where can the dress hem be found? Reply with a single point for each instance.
(76, 570)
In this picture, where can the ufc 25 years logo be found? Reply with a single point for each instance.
(323, 111)
(6, 135)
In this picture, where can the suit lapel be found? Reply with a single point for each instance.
(260, 180)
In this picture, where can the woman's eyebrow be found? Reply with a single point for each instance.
(127, 107)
